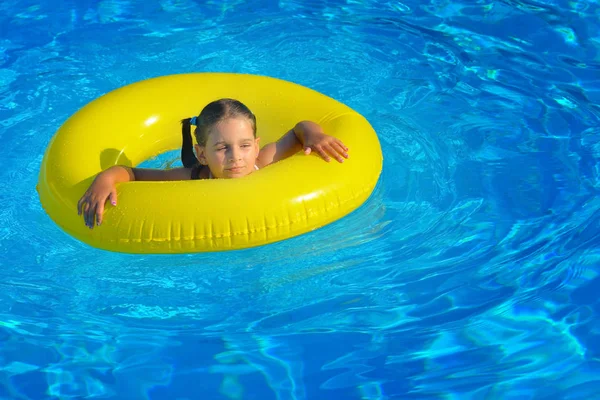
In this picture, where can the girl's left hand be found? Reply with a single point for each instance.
(327, 146)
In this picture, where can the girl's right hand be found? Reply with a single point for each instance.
(91, 204)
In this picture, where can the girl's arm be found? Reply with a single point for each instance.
(91, 204)
(305, 135)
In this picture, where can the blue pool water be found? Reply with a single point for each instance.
(471, 272)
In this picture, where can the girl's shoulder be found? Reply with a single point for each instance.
(199, 171)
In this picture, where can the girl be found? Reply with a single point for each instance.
(227, 148)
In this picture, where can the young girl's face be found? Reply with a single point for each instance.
(231, 149)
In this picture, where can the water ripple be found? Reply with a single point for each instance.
(470, 273)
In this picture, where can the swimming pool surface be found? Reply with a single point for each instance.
(472, 272)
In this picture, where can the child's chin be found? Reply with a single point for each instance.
(235, 174)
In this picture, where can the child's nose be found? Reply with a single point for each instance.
(235, 154)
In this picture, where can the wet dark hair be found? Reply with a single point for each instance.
(211, 115)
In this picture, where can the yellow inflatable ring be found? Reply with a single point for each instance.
(136, 122)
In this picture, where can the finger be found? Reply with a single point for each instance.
(80, 204)
(323, 153)
(90, 210)
(86, 215)
(98, 214)
(342, 145)
(307, 150)
(338, 141)
(334, 153)
(91, 215)
(340, 149)
(85, 210)
(113, 197)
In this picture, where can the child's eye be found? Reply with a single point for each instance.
(221, 148)
(245, 145)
